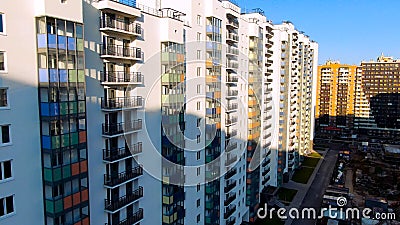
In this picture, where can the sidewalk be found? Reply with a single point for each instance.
(302, 189)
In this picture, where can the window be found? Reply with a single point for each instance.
(2, 25)
(198, 36)
(198, 88)
(198, 203)
(2, 61)
(198, 139)
(198, 106)
(198, 156)
(198, 171)
(198, 187)
(198, 218)
(6, 205)
(63, 1)
(198, 20)
(198, 54)
(3, 97)
(5, 170)
(5, 134)
(198, 71)
(198, 122)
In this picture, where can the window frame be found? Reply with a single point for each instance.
(5, 61)
(9, 135)
(2, 171)
(7, 98)
(3, 20)
(5, 206)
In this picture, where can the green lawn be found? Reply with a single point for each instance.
(315, 155)
(286, 195)
(310, 162)
(303, 175)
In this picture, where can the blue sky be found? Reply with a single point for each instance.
(347, 30)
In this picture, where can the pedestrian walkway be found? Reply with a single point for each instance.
(302, 189)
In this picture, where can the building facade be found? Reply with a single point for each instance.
(336, 96)
(377, 98)
(149, 111)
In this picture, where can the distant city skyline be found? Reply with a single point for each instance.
(348, 31)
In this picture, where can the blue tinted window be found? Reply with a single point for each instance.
(54, 109)
(63, 76)
(71, 43)
(53, 75)
(62, 42)
(43, 75)
(51, 38)
(1, 23)
(42, 42)
(44, 109)
(46, 142)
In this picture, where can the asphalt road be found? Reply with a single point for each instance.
(317, 189)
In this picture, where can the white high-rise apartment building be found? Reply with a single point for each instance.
(148, 111)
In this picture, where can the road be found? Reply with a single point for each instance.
(317, 189)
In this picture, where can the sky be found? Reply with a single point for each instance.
(346, 30)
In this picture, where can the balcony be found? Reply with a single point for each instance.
(232, 24)
(120, 52)
(231, 221)
(230, 186)
(136, 217)
(230, 121)
(117, 129)
(117, 26)
(269, 53)
(230, 161)
(266, 171)
(114, 205)
(229, 212)
(116, 104)
(114, 155)
(230, 173)
(231, 147)
(232, 51)
(231, 134)
(230, 199)
(232, 65)
(126, 7)
(269, 43)
(232, 107)
(232, 79)
(117, 78)
(231, 93)
(232, 37)
(120, 178)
